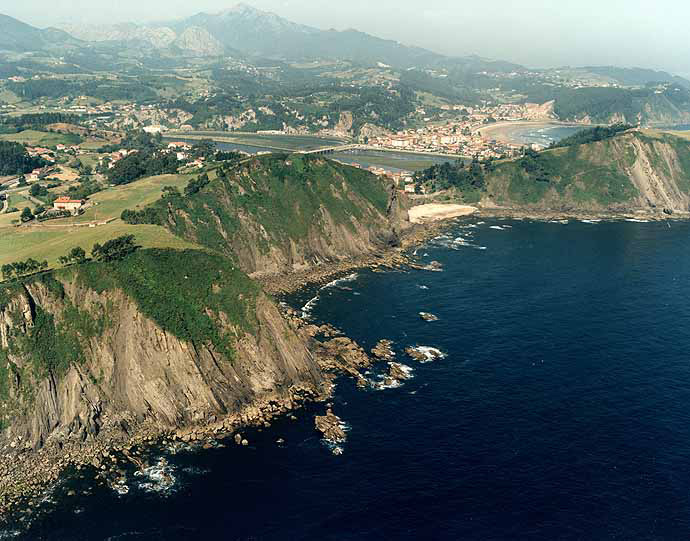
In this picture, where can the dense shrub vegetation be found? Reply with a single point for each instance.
(14, 159)
(592, 135)
(178, 290)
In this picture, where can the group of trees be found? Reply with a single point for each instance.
(27, 215)
(155, 214)
(195, 185)
(15, 160)
(591, 135)
(142, 164)
(76, 255)
(456, 175)
(87, 186)
(535, 165)
(107, 89)
(11, 271)
(113, 250)
(37, 121)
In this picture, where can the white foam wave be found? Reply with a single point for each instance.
(120, 487)
(349, 278)
(158, 478)
(636, 220)
(384, 381)
(307, 308)
(430, 353)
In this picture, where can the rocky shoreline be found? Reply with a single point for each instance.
(25, 473)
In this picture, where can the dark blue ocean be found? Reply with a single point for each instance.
(561, 411)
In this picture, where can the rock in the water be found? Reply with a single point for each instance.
(399, 372)
(424, 354)
(384, 350)
(426, 316)
(331, 427)
(434, 266)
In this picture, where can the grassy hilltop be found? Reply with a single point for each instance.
(629, 171)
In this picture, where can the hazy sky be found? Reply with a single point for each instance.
(646, 33)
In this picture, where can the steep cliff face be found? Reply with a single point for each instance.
(282, 213)
(630, 172)
(83, 363)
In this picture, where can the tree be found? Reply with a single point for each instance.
(76, 255)
(37, 190)
(27, 215)
(8, 271)
(20, 268)
(114, 249)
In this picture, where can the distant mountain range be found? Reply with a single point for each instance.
(21, 37)
(244, 31)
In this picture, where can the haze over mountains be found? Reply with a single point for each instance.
(245, 31)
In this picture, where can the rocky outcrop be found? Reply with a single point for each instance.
(135, 378)
(331, 427)
(198, 42)
(383, 350)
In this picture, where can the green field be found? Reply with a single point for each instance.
(94, 144)
(49, 243)
(41, 138)
(19, 200)
(89, 159)
(111, 202)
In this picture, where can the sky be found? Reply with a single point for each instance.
(535, 33)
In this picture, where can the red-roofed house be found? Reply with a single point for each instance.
(65, 203)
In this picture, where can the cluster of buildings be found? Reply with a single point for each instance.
(112, 158)
(182, 151)
(463, 135)
(449, 139)
(41, 173)
(51, 155)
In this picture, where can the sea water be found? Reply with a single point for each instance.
(560, 409)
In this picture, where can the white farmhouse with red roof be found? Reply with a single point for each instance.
(65, 203)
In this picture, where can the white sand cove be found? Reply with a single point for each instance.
(438, 211)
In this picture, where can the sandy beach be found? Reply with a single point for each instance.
(437, 211)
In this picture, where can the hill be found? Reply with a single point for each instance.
(632, 171)
(21, 37)
(103, 354)
(281, 213)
